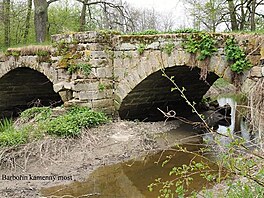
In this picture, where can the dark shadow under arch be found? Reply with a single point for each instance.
(22, 88)
(155, 92)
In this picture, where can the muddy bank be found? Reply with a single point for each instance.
(24, 171)
(216, 90)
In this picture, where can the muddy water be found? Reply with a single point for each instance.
(130, 179)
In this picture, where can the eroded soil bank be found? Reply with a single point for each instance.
(49, 162)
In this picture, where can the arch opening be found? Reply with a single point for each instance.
(155, 92)
(23, 88)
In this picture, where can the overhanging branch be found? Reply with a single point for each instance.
(51, 1)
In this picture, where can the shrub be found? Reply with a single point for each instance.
(15, 53)
(68, 124)
(71, 123)
(237, 56)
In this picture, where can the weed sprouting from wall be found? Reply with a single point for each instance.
(84, 68)
(141, 48)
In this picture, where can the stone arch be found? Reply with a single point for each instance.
(150, 67)
(32, 63)
(23, 87)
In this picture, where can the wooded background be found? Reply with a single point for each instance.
(33, 21)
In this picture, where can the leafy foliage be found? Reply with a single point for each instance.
(233, 160)
(63, 19)
(236, 55)
(31, 127)
(9, 136)
(182, 176)
(141, 48)
(242, 189)
(15, 53)
(12, 138)
(101, 87)
(168, 48)
(202, 43)
(39, 121)
(185, 174)
(70, 123)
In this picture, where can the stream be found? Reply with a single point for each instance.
(131, 179)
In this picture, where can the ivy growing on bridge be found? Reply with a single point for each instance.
(168, 48)
(203, 44)
(237, 56)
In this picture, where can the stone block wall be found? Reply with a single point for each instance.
(94, 90)
(137, 57)
(118, 63)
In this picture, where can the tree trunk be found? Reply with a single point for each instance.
(243, 16)
(83, 16)
(6, 16)
(40, 19)
(29, 8)
(252, 16)
(232, 13)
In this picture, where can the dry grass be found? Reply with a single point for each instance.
(256, 103)
(44, 151)
(204, 68)
(30, 50)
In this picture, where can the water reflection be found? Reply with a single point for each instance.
(233, 104)
(238, 125)
(130, 179)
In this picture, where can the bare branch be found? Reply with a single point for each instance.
(51, 1)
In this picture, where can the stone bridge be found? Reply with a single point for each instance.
(118, 74)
